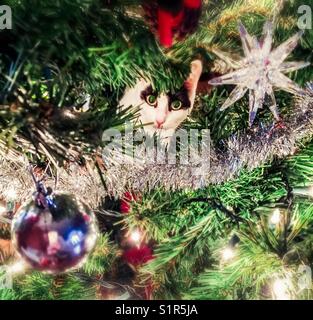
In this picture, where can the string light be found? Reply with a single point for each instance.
(229, 251)
(136, 236)
(275, 217)
(281, 289)
(17, 267)
(228, 254)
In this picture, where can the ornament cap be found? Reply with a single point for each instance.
(43, 196)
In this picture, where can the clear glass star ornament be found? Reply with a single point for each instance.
(262, 70)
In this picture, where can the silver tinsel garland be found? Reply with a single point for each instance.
(242, 151)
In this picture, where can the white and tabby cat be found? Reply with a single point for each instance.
(161, 114)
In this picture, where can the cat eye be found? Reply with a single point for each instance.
(151, 100)
(176, 105)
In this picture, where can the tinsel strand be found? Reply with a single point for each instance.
(246, 150)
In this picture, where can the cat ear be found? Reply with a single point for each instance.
(192, 82)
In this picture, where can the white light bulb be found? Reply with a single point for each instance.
(281, 289)
(228, 254)
(17, 267)
(276, 217)
(135, 236)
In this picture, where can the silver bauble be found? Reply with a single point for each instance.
(57, 237)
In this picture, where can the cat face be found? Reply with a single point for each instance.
(162, 113)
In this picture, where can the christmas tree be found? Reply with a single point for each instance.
(82, 220)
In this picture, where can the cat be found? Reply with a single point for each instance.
(161, 114)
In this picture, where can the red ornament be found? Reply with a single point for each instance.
(175, 18)
(125, 203)
(138, 256)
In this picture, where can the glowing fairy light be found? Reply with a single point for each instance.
(281, 289)
(230, 251)
(228, 254)
(135, 236)
(17, 267)
(275, 217)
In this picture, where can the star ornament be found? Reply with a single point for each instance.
(261, 71)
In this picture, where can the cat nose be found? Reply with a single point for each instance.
(159, 123)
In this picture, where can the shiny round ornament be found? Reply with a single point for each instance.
(57, 236)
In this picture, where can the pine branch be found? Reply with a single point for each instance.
(102, 258)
